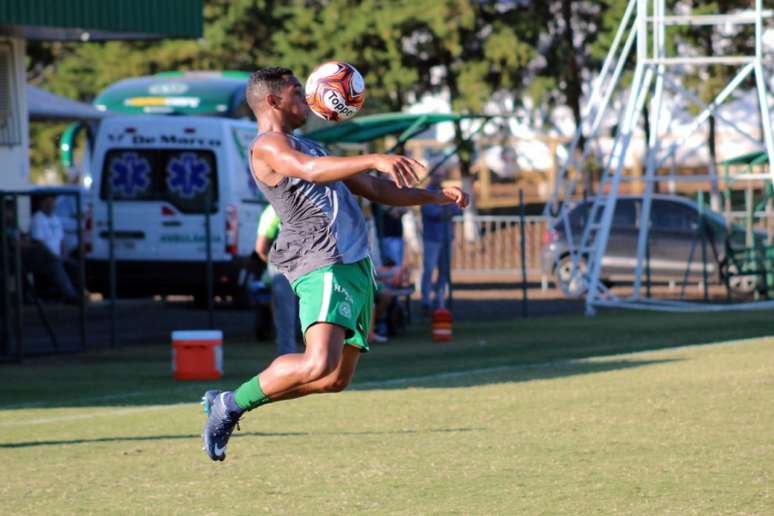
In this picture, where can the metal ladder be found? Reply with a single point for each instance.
(646, 28)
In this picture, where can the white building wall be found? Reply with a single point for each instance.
(14, 160)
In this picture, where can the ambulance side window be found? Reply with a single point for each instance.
(182, 177)
(189, 177)
(131, 173)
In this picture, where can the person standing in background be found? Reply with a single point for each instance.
(284, 305)
(437, 238)
(391, 225)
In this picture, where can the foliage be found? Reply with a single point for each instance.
(705, 82)
(469, 50)
(571, 31)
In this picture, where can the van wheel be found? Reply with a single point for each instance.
(569, 281)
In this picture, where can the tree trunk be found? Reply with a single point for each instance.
(573, 91)
(463, 156)
(715, 201)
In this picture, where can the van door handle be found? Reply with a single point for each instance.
(172, 223)
(138, 235)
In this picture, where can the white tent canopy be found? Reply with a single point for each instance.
(43, 105)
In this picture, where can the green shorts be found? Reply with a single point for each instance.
(341, 294)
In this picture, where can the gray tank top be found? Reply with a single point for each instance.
(322, 224)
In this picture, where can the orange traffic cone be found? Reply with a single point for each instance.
(442, 325)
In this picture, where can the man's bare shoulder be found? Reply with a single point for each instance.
(270, 154)
(272, 142)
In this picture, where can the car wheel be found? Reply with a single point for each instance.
(740, 284)
(571, 282)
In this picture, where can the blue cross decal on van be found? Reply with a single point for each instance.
(188, 175)
(130, 175)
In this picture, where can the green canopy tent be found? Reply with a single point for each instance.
(368, 128)
(403, 125)
(750, 159)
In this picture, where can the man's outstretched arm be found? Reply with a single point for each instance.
(275, 151)
(385, 192)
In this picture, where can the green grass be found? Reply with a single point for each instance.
(544, 416)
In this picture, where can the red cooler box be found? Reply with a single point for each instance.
(197, 354)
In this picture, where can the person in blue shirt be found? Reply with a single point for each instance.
(437, 238)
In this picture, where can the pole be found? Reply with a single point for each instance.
(523, 249)
(703, 233)
(647, 267)
(111, 263)
(81, 268)
(446, 256)
(19, 314)
(208, 251)
(6, 277)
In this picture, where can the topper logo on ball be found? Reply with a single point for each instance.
(338, 104)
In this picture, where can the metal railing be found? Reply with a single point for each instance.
(493, 246)
(761, 221)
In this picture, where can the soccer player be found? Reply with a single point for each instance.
(322, 249)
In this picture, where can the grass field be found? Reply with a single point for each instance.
(547, 416)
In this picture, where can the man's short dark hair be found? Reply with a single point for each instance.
(264, 81)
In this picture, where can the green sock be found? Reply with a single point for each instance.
(249, 395)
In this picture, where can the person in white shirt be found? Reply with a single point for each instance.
(46, 226)
(46, 229)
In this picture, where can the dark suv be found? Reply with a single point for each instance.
(674, 230)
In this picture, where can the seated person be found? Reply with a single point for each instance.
(37, 258)
(392, 282)
(46, 227)
(391, 225)
(390, 278)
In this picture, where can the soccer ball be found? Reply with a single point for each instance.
(335, 91)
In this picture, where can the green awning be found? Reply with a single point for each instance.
(102, 19)
(367, 128)
(751, 158)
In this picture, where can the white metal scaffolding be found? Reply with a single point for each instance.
(641, 39)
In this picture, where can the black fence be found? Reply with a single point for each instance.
(24, 264)
(35, 322)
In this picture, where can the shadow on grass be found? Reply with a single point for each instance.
(164, 394)
(141, 438)
(510, 374)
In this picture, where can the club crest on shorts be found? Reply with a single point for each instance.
(345, 310)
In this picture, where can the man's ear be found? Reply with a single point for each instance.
(272, 100)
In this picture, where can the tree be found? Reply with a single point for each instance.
(370, 39)
(237, 35)
(708, 80)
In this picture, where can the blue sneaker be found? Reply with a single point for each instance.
(220, 423)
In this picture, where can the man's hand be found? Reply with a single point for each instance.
(452, 194)
(402, 170)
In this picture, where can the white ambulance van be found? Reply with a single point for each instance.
(160, 171)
